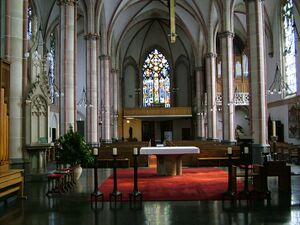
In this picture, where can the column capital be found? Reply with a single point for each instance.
(103, 57)
(91, 36)
(226, 34)
(67, 2)
(210, 55)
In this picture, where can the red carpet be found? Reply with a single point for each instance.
(193, 184)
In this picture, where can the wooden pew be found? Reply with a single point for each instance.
(125, 155)
(11, 181)
(211, 153)
(287, 152)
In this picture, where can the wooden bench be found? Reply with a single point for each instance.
(12, 181)
(108, 163)
(211, 153)
(286, 151)
(217, 161)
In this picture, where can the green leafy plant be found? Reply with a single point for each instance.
(73, 149)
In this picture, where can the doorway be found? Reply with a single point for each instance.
(148, 132)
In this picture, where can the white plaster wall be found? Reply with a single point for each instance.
(81, 72)
(178, 124)
(129, 87)
(281, 113)
(182, 83)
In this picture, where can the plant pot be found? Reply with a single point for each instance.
(77, 172)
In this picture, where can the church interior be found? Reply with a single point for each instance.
(170, 87)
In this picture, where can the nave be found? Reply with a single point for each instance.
(74, 208)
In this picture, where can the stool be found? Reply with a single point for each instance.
(55, 183)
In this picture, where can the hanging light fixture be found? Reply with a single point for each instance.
(83, 102)
(278, 86)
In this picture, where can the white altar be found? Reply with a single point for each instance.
(169, 162)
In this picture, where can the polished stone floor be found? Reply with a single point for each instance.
(75, 208)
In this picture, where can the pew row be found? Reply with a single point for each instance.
(11, 182)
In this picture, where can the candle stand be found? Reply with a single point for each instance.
(135, 194)
(245, 193)
(96, 195)
(115, 194)
(231, 178)
(274, 148)
(266, 188)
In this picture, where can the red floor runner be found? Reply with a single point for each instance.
(193, 184)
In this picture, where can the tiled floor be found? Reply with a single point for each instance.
(75, 208)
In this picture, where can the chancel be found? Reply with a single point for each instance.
(190, 105)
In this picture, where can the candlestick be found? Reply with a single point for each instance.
(95, 151)
(274, 128)
(246, 150)
(135, 151)
(115, 151)
(229, 150)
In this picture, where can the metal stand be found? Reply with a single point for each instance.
(96, 195)
(135, 194)
(230, 192)
(266, 188)
(115, 193)
(246, 192)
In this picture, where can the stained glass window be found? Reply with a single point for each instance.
(289, 48)
(156, 80)
(29, 28)
(51, 60)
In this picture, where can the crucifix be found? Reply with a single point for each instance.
(172, 21)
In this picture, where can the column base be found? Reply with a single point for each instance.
(257, 150)
(106, 141)
(19, 163)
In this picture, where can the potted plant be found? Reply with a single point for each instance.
(74, 151)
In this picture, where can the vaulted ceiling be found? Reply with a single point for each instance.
(120, 21)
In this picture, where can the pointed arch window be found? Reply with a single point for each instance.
(29, 26)
(289, 47)
(51, 58)
(156, 80)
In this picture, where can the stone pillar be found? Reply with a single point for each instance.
(255, 28)
(211, 96)
(16, 84)
(92, 114)
(200, 132)
(67, 66)
(105, 78)
(115, 75)
(227, 86)
(7, 29)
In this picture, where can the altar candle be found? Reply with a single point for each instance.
(115, 151)
(274, 128)
(246, 150)
(135, 151)
(95, 151)
(229, 150)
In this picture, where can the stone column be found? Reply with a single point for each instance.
(200, 132)
(7, 29)
(16, 84)
(115, 75)
(92, 114)
(211, 96)
(255, 28)
(68, 57)
(105, 78)
(227, 86)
